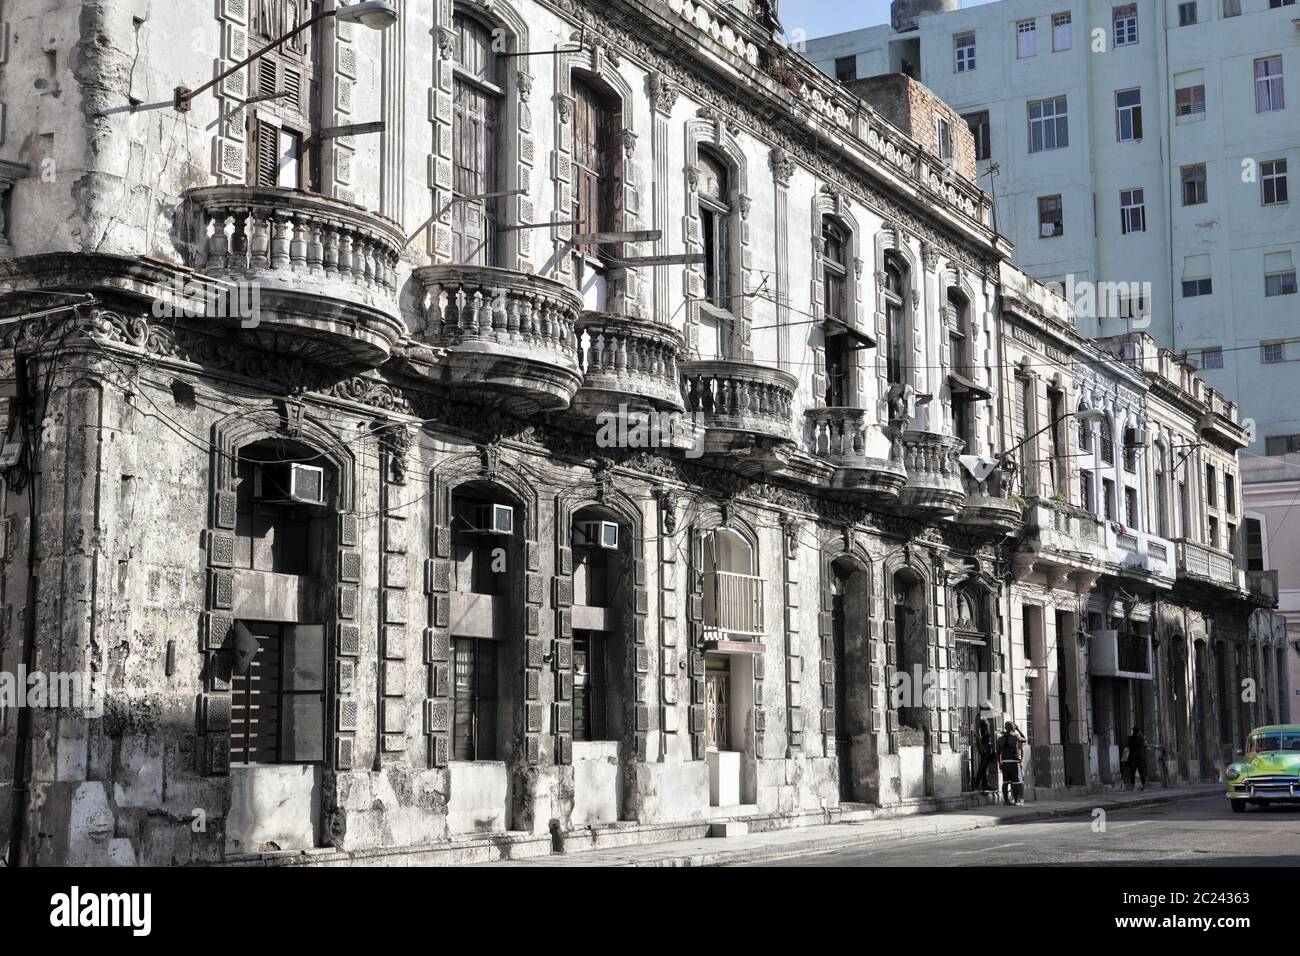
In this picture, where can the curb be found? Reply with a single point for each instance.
(724, 857)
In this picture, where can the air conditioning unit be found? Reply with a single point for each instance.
(289, 484)
(596, 534)
(493, 519)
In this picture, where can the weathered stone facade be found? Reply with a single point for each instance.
(367, 508)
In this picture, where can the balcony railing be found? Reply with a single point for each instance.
(933, 482)
(1206, 563)
(297, 246)
(733, 603)
(860, 451)
(988, 505)
(1140, 554)
(625, 360)
(738, 402)
(506, 333)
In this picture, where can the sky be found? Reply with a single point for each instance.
(819, 18)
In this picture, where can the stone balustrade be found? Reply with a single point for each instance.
(933, 482)
(847, 438)
(739, 402)
(626, 361)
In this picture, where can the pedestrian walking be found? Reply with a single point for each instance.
(1011, 753)
(1137, 758)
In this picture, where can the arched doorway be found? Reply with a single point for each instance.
(909, 639)
(971, 667)
(850, 585)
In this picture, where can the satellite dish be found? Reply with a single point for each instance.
(979, 466)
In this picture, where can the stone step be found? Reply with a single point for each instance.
(728, 828)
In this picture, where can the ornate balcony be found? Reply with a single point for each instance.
(1061, 542)
(988, 505)
(744, 408)
(324, 271)
(933, 480)
(627, 362)
(1203, 563)
(844, 437)
(509, 336)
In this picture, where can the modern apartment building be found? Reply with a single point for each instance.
(1134, 143)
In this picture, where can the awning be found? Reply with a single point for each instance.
(962, 385)
(858, 340)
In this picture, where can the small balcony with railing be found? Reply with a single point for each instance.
(1262, 586)
(744, 408)
(867, 460)
(934, 484)
(989, 506)
(508, 337)
(1137, 554)
(733, 611)
(324, 271)
(627, 363)
(1060, 539)
(1204, 564)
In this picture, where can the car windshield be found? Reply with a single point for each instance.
(1266, 743)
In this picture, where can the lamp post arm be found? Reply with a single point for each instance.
(184, 96)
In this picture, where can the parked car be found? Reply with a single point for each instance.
(1269, 770)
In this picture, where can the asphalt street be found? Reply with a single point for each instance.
(1199, 832)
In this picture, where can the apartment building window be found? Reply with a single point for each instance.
(1279, 274)
(474, 717)
(595, 164)
(1189, 100)
(1125, 20)
(1130, 450)
(943, 138)
(1048, 124)
(277, 705)
(1132, 211)
(1211, 487)
(1212, 358)
(1194, 185)
(1269, 95)
(979, 128)
(1131, 508)
(1133, 305)
(1270, 353)
(1026, 38)
(589, 686)
(1128, 115)
(1061, 28)
(1282, 444)
(1276, 4)
(1058, 463)
(835, 245)
(846, 69)
(1084, 435)
(895, 286)
(963, 53)
(1187, 14)
(1196, 276)
(1161, 493)
(1198, 287)
(714, 197)
(1231, 8)
(1254, 544)
(1107, 442)
(1212, 531)
(281, 128)
(1085, 490)
(1051, 221)
(478, 100)
(1108, 498)
(1229, 494)
(1272, 178)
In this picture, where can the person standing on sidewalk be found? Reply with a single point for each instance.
(984, 742)
(1137, 758)
(1011, 752)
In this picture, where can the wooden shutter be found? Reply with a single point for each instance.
(264, 169)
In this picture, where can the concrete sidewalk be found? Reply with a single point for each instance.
(779, 844)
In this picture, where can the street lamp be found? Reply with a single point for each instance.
(374, 14)
(981, 466)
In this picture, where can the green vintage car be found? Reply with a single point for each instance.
(1269, 771)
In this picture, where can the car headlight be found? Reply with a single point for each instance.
(1233, 773)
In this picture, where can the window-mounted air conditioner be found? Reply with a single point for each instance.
(292, 484)
(493, 519)
(596, 534)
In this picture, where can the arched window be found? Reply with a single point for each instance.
(910, 647)
(596, 167)
(1107, 442)
(479, 107)
(1085, 443)
(895, 331)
